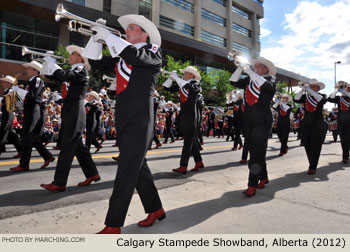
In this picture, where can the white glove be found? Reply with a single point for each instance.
(101, 34)
(346, 93)
(305, 87)
(14, 88)
(276, 104)
(237, 74)
(235, 98)
(50, 67)
(181, 82)
(298, 95)
(93, 50)
(49, 59)
(285, 106)
(168, 83)
(256, 78)
(332, 95)
(317, 96)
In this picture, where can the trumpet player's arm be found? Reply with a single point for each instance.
(334, 99)
(241, 83)
(106, 64)
(173, 88)
(75, 76)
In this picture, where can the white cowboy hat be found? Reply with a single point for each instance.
(94, 94)
(79, 50)
(34, 64)
(170, 103)
(318, 83)
(144, 23)
(287, 96)
(267, 63)
(192, 70)
(8, 79)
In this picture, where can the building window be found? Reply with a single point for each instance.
(80, 2)
(145, 8)
(187, 6)
(258, 21)
(258, 37)
(107, 6)
(241, 48)
(17, 31)
(214, 39)
(242, 30)
(213, 17)
(260, 2)
(241, 12)
(176, 25)
(221, 2)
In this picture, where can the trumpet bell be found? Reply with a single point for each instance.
(59, 12)
(231, 56)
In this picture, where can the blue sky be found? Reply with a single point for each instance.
(307, 37)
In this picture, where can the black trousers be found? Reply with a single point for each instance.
(168, 132)
(133, 172)
(210, 127)
(32, 126)
(256, 136)
(344, 133)
(335, 134)
(313, 135)
(191, 144)
(237, 128)
(91, 138)
(14, 139)
(230, 132)
(283, 127)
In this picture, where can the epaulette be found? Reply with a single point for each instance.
(78, 69)
(154, 48)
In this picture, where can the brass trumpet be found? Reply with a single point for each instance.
(37, 55)
(238, 58)
(301, 84)
(108, 79)
(77, 23)
(166, 73)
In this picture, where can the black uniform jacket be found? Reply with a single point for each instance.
(313, 113)
(73, 110)
(343, 103)
(258, 110)
(137, 97)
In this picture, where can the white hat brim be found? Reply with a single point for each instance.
(79, 50)
(8, 79)
(267, 63)
(318, 83)
(34, 64)
(192, 70)
(145, 24)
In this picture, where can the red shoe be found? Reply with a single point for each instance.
(115, 158)
(158, 145)
(181, 169)
(98, 148)
(115, 145)
(165, 142)
(110, 230)
(311, 172)
(198, 166)
(250, 191)
(46, 143)
(89, 180)
(47, 162)
(234, 149)
(152, 217)
(56, 148)
(243, 161)
(285, 151)
(200, 147)
(262, 183)
(18, 155)
(345, 161)
(52, 187)
(19, 169)
(201, 143)
(281, 154)
(172, 142)
(240, 147)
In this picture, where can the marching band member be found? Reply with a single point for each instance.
(259, 91)
(237, 121)
(210, 121)
(33, 119)
(93, 106)
(314, 128)
(73, 119)
(189, 88)
(343, 119)
(200, 106)
(332, 123)
(139, 64)
(7, 133)
(229, 118)
(283, 109)
(169, 112)
(155, 106)
(298, 116)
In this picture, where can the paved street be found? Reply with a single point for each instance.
(208, 201)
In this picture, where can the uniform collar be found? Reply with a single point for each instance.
(139, 45)
(31, 78)
(76, 65)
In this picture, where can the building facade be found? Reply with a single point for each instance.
(202, 31)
